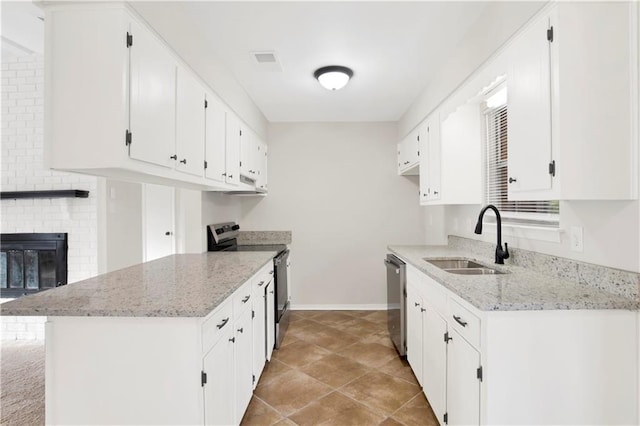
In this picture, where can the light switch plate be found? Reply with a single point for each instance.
(577, 243)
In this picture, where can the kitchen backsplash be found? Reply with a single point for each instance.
(264, 237)
(616, 281)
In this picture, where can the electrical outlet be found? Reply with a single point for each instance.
(577, 243)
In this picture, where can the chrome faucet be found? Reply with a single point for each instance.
(501, 255)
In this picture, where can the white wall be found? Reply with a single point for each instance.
(498, 22)
(23, 170)
(334, 185)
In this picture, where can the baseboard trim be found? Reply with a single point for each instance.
(363, 307)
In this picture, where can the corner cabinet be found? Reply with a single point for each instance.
(121, 104)
(500, 367)
(153, 370)
(573, 102)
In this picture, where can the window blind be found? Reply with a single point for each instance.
(539, 213)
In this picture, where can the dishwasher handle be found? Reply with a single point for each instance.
(392, 265)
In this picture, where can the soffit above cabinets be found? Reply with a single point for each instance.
(393, 48)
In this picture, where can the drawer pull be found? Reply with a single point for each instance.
(416, 304)
(223, 323)
(232, 340)
(241, 330)
(260, 283)
(246, 298)
(460, 321)
(271, 272)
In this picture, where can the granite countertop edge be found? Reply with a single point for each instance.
(193, 285)
(518, 289)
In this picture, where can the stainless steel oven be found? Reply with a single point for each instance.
(397, 302)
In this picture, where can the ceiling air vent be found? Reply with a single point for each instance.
(266, 61)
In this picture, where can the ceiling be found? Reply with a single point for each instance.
(393, 47)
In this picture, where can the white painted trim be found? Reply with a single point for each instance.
(527, 232)
(364, 307)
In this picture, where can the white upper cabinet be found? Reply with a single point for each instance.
(573, 102)
(216, 139)
(232, 156)
(153, 98)
(453, 172)
(430, 160)
(120, 103)
(190, 124)
(262, 181)
(409, 153)
(529, 106)
(249, 154)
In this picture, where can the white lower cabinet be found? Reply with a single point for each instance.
(243, 362)
(520, 367)
(271, 318)
(219, 387)
(463, 382)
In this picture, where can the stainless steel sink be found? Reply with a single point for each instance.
(461, 266)
(454, 263)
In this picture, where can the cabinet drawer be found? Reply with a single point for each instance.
(262, 279)
(216, 325)
(435, 294)
(464, 322)
(242, 299)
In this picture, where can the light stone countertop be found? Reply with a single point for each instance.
(181, 285)
(517, 290)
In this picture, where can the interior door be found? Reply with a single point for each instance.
(158, 214)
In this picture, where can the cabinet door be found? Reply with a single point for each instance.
(152, 99)
(463, 386)
(414, 331)
(233, 150)
(430, 160)
(190, 124)
(259, 331)
(248, 154)
(215, 135)
(243, 363)
(270, 318)
(529, 109)
(434, 361)
(219, 390)
(261, 182)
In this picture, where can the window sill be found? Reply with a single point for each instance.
(525, 232)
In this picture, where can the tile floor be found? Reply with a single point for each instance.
(338, 368)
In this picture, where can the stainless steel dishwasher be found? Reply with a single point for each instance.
(397, 302)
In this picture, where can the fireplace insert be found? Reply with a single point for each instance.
(32, 262)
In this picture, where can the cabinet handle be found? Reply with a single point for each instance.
(174, 157)
(271, 292)
(271, 272)
(232, 340)
(260, 283)
(511, 180)
(417, 304)
(183, 161)
(223, 323)
(224, 174)
(168, 233)
(422, 309)
(241, 330)
(246, 299)
(435, 192)
(460, 321)
(230, 176)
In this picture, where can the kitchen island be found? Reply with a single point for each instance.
(155, 343)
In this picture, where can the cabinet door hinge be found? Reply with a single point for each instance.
(253, 378)
(240, 132)
(127, 138)
(129, 39)
(550, 34)
(203, 378)
(418, 138)
(253, 314)
(206, 164)
(206, 104)
(552, 168)
(445, 418)
(447, 338)
(479, 373)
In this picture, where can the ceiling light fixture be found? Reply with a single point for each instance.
(333, 77)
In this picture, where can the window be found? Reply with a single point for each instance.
(537, 213)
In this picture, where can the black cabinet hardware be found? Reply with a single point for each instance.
(223, 323)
